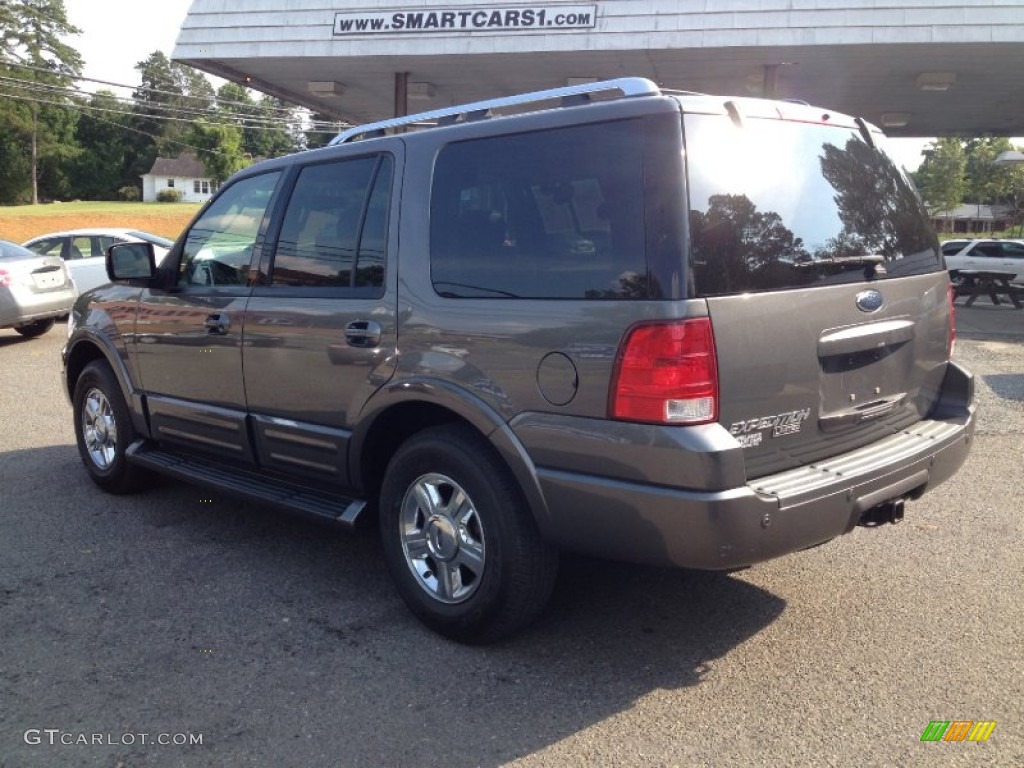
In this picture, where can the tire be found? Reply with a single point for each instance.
(103, 430)
(36, 328)
(956, 279)
(459, 540)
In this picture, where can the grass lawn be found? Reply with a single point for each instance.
(18, 223)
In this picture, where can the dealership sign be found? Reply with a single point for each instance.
(506, 19)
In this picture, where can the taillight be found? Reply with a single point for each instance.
(6, 279)
(952, 320)
(667, 373)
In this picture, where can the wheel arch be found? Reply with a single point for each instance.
(404, 408)
(87, 348)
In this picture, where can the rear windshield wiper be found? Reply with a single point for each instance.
(459, 295)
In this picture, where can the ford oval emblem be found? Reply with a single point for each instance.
(869, 301)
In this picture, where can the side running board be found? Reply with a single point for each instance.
(248, 484)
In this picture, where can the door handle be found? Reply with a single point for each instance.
(363, 333)
(217, 324)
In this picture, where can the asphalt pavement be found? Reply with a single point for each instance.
(178, 615)
(985, 320)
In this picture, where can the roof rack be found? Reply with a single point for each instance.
(570, 95)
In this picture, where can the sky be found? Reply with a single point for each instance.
(118, 34)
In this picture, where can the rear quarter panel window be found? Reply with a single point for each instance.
(548, 214)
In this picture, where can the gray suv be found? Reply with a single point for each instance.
(609, 319)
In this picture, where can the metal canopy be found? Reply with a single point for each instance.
(912, 87)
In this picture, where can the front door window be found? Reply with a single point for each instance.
(218, 249)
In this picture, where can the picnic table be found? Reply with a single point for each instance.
(976, 283)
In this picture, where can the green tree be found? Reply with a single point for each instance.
(169, 99)
(986, 182)
(264, 123)
(103, 164)
(940, 179)
(220, 148)
(991, 184)
(281, 128)
(36, 118)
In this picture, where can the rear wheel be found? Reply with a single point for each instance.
(103, 429)
(36, 328)
(459, 540)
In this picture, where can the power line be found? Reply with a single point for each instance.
(146, 89)
(163, 118)
(157, 138)
(52, 91)
(215, 112)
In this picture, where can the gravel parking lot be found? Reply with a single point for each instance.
(131, 627)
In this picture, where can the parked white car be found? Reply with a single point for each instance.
(84, 250)
(985, 255)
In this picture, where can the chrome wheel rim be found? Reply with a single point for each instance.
(442, 538)
(99, 429)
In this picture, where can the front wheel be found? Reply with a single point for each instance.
(103, 429)
(35, 328)
(459, 540)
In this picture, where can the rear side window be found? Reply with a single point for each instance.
(49, 247)
(82, 248)
(1013, 250)
(777, 204)
(548, 214)
(334, 229)
(988, 250)
(999, 250)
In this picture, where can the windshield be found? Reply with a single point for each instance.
(777, 204)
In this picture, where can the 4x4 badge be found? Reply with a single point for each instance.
(869, 301)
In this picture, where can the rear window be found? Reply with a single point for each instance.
(12, 251)
(776, 205)
(548, 214)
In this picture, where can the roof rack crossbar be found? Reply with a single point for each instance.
(627, 86)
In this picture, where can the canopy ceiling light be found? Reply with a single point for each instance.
(325, 87)
(936, 81)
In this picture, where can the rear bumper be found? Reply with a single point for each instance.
(762, 519)
(21, 307)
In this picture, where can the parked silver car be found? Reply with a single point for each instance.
(34, 290)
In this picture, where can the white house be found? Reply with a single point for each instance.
(183, 173)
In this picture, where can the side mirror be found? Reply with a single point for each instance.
(131, 261)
